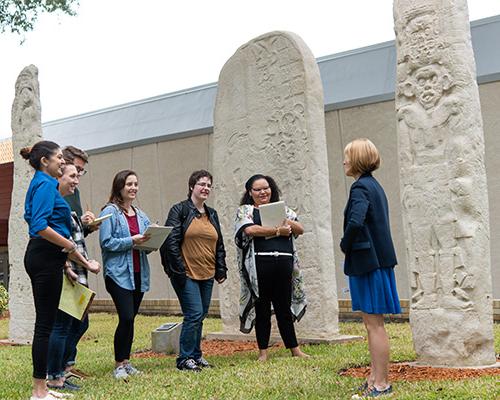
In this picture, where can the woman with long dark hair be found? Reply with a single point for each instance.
(49, 220)
(126, 270)
(269, 268)
(193, 257)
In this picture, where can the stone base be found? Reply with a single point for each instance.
(165, 339)
(417, 364)
(12, 342)
(241, 337)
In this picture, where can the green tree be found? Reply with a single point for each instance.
(20, 16)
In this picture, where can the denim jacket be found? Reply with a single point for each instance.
(116, 246)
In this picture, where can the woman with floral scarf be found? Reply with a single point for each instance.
(269, 268)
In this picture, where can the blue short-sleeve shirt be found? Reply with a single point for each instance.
(45, 207)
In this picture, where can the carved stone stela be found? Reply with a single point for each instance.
(26, 131)
(443, 184)
(269, 119)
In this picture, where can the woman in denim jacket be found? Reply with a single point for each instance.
(126, 270)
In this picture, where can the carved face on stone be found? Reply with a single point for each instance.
(25, 88)
(429, 84)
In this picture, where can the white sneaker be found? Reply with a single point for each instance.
(120, 372)
(59, 395)
(52, 395)
(131, 370)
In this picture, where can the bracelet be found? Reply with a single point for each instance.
(277, 231)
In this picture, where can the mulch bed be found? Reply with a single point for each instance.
(412, 373)
(397, 372)
(210, 348)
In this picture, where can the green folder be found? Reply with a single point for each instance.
(75, 298)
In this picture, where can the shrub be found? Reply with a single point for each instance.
(4, 299)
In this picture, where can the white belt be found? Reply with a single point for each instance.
(274, 254)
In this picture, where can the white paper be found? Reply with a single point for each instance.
(99, 219)
(272, 214)
(158, 235)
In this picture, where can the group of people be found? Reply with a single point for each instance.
(193, 257)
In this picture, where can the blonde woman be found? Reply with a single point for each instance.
(369, 259)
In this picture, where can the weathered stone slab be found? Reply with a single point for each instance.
(26, 131)
(443, 184)
(269, 119)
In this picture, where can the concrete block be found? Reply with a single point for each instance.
(165, 339)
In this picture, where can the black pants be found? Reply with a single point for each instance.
(127, 304)
(44, 263)
(274, 276)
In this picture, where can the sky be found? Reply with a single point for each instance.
(117, 51)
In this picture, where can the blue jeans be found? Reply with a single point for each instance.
(63, 340)
(78, 328)
(194, 298)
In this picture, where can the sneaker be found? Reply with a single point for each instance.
(202, 363)
(361, 388)
(51, 395)
(373, 392)
(131, 370)
(120, 372)
(67, 385)
(59, 395)
(189, 365)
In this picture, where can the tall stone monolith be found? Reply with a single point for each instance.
(269, 119)
(443, 184)
(26, 131)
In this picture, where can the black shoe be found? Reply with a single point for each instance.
(202, 363)
(189, 365)
(67, 385)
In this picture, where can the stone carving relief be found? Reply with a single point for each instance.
(26, 131)
(269, 119)
(443, 183)
(428, 114)
(281, 93)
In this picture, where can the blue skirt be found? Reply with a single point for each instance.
(375, 292)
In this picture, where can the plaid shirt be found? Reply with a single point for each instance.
(77, 234)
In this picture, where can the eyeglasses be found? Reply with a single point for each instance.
(81, 171)
(264, 189)
(205, 185)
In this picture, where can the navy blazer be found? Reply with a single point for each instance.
(367, 241)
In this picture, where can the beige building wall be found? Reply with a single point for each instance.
(164, 168)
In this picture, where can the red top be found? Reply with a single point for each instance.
(133, 226)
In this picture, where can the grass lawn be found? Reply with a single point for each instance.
(238, 376)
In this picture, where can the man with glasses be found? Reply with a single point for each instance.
(79, 158)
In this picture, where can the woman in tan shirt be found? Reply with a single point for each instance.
(193, 257)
